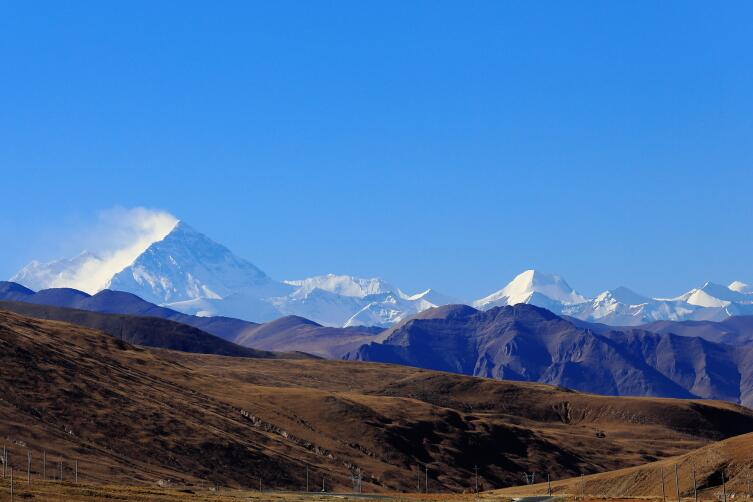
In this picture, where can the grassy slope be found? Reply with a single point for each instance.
(732, 457)
(135, 415)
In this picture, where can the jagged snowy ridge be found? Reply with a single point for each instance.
(189, 272)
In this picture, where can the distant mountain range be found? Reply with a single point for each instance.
(146, 331)
(621, 306)
(529, 343)
(685, 359)
(134, 415)
(188, 272)
(71, 305)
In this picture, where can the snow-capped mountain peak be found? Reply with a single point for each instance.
(621, 295)
(345, 285)
(713, 295)
(187, 265)
(174, 265)
(529, 283)
(433, 297)
(621, 306)
(187, 271)
(741, 287)
(73, 272)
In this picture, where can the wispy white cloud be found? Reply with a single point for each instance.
(114, 241)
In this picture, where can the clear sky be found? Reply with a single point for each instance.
(436, 144)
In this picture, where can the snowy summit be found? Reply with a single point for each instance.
(181, 268)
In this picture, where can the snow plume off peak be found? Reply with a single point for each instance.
(119, 236)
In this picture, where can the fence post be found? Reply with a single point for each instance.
(475, 470)
(663, 491)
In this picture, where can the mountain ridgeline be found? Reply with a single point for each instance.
(529, 343)
(526, 343)
(143, 330)
(131, 414)
(188, 272)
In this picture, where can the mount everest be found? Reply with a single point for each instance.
(188, 272)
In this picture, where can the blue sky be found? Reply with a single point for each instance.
(442, 144)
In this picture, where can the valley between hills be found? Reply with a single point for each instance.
(338, 251)
(130, 415)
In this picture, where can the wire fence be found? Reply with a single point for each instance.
(665, 482)
(22, 467)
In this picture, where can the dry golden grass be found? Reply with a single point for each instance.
(703, 468)
(133, 416)
(69, 492)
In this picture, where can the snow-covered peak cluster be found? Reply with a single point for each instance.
(527, 285)
(622, 306)
(187, 265)
(345, 285)
(122, 235)
(65, 272)
(187, 271)
(740, 287)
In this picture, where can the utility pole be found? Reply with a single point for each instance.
(663, 492)
(695, 490)
(677, 484)
(548, 485)
(475, 468)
